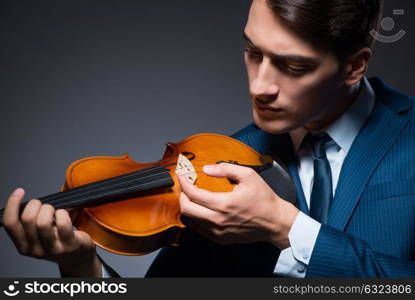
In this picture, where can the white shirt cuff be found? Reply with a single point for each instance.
(303, 236)
(293, 261)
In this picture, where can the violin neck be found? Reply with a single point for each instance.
(113, 189)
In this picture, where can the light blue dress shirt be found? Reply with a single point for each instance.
(293, 261)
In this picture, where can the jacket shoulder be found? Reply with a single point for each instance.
(395, 100)
(254, 137)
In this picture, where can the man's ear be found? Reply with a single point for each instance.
(357, 65)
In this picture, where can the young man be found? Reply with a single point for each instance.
(347, 142)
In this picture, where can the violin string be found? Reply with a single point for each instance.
(108, 194)
(86, 189)
(124, 191)
(104, 184)
(67, 199)
(65, 196)
(54, 199)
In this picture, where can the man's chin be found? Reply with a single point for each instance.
(273, 126)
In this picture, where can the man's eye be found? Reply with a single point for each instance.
(295, 71)
(254, 54)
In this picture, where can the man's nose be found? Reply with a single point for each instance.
(264, 86)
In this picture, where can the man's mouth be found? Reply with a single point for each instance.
(262, 107)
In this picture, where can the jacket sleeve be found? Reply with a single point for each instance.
(339, 254)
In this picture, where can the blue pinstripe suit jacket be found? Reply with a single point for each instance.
(371, 227)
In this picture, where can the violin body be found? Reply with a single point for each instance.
(151, 219)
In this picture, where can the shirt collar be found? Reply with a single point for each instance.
(344, 130)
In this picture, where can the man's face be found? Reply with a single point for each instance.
(298, 82)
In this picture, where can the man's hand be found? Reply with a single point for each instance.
(46, 233)
(251, 212)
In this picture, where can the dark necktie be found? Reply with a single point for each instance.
(321, 193)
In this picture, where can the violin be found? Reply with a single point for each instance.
(132, 208)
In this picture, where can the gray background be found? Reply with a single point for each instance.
(97, 77)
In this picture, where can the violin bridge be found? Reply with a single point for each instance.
(185, 167)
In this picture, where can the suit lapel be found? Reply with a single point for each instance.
(301, 200)
(284, 150)
(371, 144)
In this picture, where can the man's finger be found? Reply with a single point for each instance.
(11, 219)
(211, 200)
(45, 226)
(194, 210)
(84, 239)
(28, 220)
(64, 224)
(12, 211)
(232, 171)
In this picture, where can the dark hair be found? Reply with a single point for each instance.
(342, 26)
